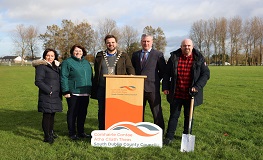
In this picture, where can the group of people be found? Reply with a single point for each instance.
(184, 73)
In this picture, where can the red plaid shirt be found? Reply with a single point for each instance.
(183, 82)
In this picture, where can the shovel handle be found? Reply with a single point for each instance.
(191, 108)
(191, 114)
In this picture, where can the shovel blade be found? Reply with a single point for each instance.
(188, 143)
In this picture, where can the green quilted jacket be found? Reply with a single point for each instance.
(76, 76)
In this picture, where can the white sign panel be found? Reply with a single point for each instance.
(128, 134)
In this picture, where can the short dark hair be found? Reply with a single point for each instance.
(78, 46)
(110, 36)
(48, 50)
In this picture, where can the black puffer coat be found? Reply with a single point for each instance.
(200, 75)
(47, 79)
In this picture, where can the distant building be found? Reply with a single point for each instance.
(12, 59)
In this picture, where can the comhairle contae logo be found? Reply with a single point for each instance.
(128, 134)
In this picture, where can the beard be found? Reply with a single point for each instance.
(111, 49)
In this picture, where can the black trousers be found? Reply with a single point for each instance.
(101, 110)
(77, 112)
(154, 100)
(48, 123)
(175, 110)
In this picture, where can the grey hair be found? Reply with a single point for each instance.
(146, 35)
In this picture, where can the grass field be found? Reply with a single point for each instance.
(227, 126)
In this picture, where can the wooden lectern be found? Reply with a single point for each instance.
(124, 99)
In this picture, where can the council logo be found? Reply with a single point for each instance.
(128, 134)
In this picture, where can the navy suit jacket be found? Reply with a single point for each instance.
(153, 69)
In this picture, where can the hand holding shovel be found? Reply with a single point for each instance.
(188, 140)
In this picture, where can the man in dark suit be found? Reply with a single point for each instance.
(151, 63)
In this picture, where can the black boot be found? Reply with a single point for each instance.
(49, 139)
(53, 134)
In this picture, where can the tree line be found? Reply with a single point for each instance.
(220, 40)
(229, 40)
(62, 38)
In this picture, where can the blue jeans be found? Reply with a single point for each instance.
(175, 110)
(101, 111)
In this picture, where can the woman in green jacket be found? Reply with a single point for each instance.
(76, 83)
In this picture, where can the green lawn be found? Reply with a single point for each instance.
(227, 126)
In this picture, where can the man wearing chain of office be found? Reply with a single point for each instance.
(113, 62)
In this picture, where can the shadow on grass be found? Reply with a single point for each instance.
(28, 124)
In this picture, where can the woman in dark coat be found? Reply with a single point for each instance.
(47, 79)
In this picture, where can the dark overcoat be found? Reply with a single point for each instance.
(200, 74)
(47, 79)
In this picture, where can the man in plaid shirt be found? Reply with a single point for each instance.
(186, 72)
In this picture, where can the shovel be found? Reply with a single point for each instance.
(188, 140)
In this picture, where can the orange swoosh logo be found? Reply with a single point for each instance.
(130, 88)
(137, 130)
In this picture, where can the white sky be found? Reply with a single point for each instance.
(173, 16)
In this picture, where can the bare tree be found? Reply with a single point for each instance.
(222, 35)
(247, 41)
(129, 37)
(256, 29)
(235, 32)
(208, 35)
(261, 40)
(197, 34)
(20, 40)
(94, 47)
(215, 41)
(105, 27)
(32, 40)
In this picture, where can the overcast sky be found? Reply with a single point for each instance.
(173, 16)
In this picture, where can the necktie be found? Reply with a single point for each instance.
(143, 59)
